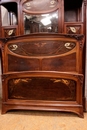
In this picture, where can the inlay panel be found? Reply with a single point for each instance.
(37, 5)
(42, 48)
(40, 89)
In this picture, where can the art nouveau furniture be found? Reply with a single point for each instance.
(43, 72)
(42, 55)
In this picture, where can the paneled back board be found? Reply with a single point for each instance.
(43, 72)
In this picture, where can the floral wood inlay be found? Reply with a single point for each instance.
(73, 29)
(37, 88)
(37, 5)
(42, 48)
(10, 32)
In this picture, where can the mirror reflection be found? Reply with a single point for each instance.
(41, 23)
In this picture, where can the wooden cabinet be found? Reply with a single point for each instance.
(42, 55)
(43, 72)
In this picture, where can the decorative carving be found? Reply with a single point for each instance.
(5, 76)
(4, 40)
(2, 47)
(80, 78)
(81, 45)
(76, 36)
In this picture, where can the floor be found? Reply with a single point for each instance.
(35, 120)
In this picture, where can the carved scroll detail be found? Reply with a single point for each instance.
(81, 45)
(2, 47)
(80, 78)
(76, 36)
(4, 77)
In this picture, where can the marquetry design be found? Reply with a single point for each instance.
(73, 29)
(65, 81)
(69, 83)
(9, 32)
(37, 5)
(37, 88)
(42, 48)
(26, 80)
(14, 47)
